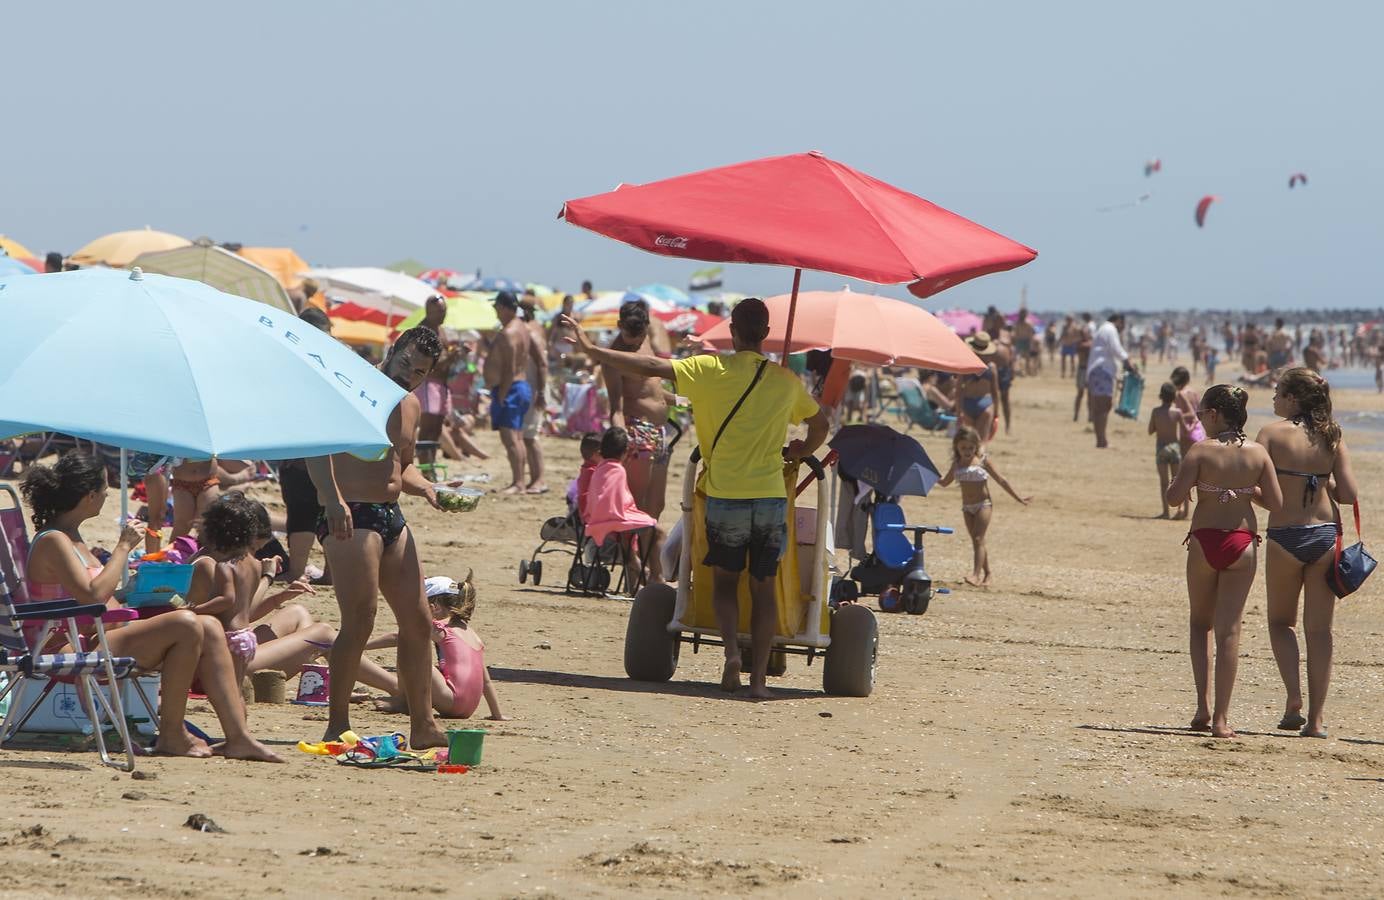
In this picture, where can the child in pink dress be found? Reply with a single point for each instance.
(609, 507)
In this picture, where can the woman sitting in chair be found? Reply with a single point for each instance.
(180, 644)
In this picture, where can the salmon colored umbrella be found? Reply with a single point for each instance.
(865, 328)
(120, 248)
(805, 211)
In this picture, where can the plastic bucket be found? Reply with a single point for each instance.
(464, 746)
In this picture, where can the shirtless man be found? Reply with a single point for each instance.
(506, 372)
(562, 339)
(536, 372)
(371, 550)
(639, 405)
(434, 399)
(1280, 346)
(1022, 351)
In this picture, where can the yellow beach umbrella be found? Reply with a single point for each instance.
(285, 264)
(120, 248)
(16, 249)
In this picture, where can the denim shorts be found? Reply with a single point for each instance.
(736, 529)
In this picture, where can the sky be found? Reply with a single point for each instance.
(451, 132)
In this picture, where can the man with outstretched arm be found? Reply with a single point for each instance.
(371, 550)
(742, 449)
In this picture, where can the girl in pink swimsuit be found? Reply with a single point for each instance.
(461, 678)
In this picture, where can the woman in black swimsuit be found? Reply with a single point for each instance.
(1314, 474)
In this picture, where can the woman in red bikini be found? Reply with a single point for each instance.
(1228, 471)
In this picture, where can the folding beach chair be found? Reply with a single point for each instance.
(919, 411)
(23, 662)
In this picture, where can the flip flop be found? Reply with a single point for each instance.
(1312, 734)
(1292, 722)
(542, 490)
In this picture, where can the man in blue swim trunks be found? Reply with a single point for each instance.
(505, 372)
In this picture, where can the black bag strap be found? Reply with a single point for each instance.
(758, 373)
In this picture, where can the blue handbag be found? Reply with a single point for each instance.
(1353, 564)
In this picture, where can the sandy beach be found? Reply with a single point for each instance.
(1025, 739)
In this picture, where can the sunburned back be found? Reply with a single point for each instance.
(1165, 419)
(1226, 473)
(1292, 449)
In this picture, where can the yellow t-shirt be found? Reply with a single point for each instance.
(748, 462)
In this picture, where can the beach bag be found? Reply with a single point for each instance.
(1353, 564)
(1131, 394)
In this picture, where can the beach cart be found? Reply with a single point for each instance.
(663, 618)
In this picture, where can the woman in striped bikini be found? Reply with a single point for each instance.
(1222, 558)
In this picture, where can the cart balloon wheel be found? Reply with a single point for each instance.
(524, 571)
(536, 571)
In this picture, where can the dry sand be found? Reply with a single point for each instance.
(1025, 739)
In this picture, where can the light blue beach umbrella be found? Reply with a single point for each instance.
(9, 266)
(668, 294)
(174, 367)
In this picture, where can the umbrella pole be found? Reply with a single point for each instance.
(792, 311)
(124, 504)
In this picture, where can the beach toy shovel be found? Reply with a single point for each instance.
(464, 746)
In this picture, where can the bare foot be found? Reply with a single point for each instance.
(181, 744)
(512, 490)
(1200, 723)
(391, 705)
(334, 732)
(247, 748)
(760, 693)
(1222, 730)
(1164, 515)
(421, 737)
(730, 676)
(1180, 516)
(972, 580)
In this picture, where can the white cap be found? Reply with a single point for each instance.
(440, 585)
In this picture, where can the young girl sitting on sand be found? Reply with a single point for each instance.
(227, 580)
(974, 470)
(1228, 471)
(461, 678)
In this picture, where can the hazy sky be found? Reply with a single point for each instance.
(361, 133)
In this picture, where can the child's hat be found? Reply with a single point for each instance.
(440, 586)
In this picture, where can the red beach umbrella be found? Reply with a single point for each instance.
(805, 211)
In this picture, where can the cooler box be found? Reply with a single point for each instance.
(61, 711)
(155, 584)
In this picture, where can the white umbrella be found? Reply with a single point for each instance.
(226, 271)
(387, 291)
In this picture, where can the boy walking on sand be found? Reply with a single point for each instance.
(1165, 423)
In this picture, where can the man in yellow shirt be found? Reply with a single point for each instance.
(742, 449)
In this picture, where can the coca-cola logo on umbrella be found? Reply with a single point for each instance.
(671, 241)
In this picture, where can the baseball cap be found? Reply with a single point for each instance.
(440, 586)
(507, 299)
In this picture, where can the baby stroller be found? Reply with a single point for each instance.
(888, 465)
(593, 569)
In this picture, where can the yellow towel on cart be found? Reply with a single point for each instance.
(792, 601)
